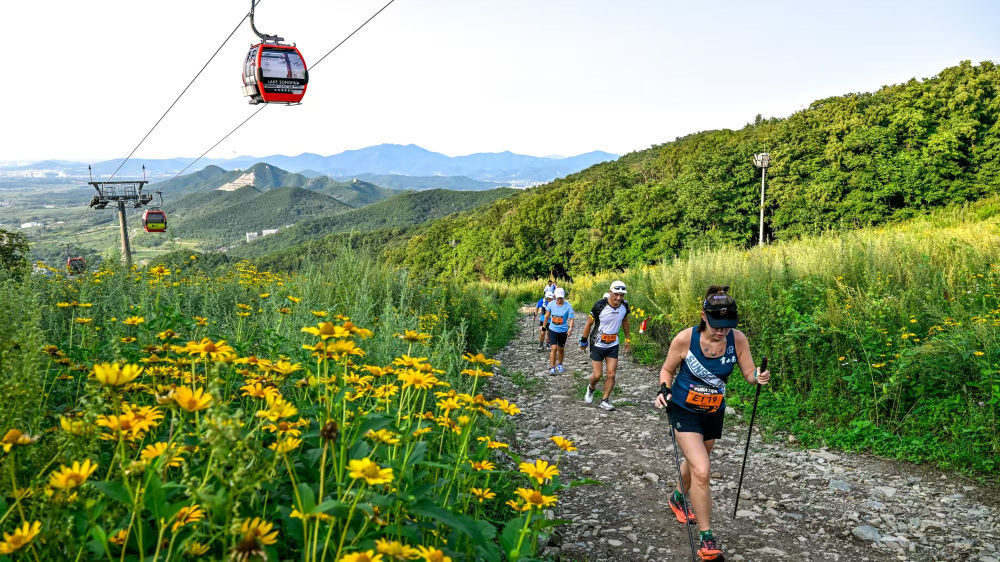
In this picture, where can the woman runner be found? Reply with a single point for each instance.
(706, 355)
(559, 323)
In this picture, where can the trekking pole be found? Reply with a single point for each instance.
(680, 480)
(746, 450)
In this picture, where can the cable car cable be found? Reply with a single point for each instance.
(230, 36)
(252, 115)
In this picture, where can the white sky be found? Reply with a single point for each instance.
(85, 80)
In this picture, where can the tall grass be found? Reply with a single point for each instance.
(885, 340)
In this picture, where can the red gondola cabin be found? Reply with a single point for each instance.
(76, 265)
(154, 220)
(274, 73)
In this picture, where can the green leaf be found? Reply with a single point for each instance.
(308, 498)
(463, 523)
(154, 497)
(508, 538)
(115, 491)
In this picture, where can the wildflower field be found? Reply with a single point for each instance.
(337, 414)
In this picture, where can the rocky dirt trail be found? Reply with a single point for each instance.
(796, 503)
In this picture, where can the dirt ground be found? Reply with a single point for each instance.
(796, 503)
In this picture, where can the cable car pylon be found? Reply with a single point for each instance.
(273, 72)
(121, 192)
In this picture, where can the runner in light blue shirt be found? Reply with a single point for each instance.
(559, 320)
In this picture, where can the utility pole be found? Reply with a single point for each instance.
(762, 160)
(121, 192)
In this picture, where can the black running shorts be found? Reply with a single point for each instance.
(557, 338)
(708, 425)
(541, 324)
(602, 353)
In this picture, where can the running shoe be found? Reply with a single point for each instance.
(683, 514)
(589, 397)
(607, 405)
(560, 368)
(710, 550)
(552, 371)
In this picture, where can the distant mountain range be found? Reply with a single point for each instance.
(499, 168)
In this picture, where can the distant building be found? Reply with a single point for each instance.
(252, 236)
(31, 224)
(267, 231)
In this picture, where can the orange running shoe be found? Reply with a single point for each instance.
(710, 550)
(683, 515)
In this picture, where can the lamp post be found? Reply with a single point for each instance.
(762, 160)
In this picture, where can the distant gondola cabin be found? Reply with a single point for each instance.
(274, 73)
(154, 220)
(76, 265)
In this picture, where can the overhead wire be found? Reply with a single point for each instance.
(311, 67)
(179, 96)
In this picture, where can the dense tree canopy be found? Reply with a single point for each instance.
(844, 162)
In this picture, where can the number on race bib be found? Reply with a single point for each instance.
(557, 320)
(608, 338)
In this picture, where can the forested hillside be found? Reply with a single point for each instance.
(844, 162)
(400, 212)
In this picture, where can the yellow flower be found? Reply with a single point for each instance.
(216, 351)
(113, 374)
(73, 427)
(196, 548)
(319, 313)
(508, 408)
(285, 310)
(264, 295)
(432, 555)
(327, 330)
(383, 436)
(481, 465)
(15, 437)
(366, 556)
(286, 445)
(481, 494)
(133, 320)
(534, 498)
(83, 320)
(417, 379)
(978, 353)
(67, 477)
(187, 515)
(413, 336)
(258, 390)
(421, 431)
(285, 368)
(477, 373)
(156, 449)
(296, 300)
(192, 400)
(480, 359)
(118, 538)
(517, 506)
(396, 550)
(200, 320)
(63, 304)
(277, 408)
(159, 271)
(409, 362)
(369, 471)
(255, 534)
(563, 443)
(12, 542)
(540, 471)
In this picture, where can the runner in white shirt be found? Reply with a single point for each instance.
(610, 315)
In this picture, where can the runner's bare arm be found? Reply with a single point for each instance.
(587, 327)
(625, 328)
(746, 363)
(675, 354)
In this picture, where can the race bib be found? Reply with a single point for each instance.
(557, 320)
(704, 399)
(608, 338)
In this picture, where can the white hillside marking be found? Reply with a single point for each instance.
(242, 181)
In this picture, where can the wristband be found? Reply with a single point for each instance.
(664, 390)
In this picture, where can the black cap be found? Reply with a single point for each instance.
(720, 310)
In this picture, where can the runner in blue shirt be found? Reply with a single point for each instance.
(543, 303)
(559, 320)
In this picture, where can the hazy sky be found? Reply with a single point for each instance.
(85, 80)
